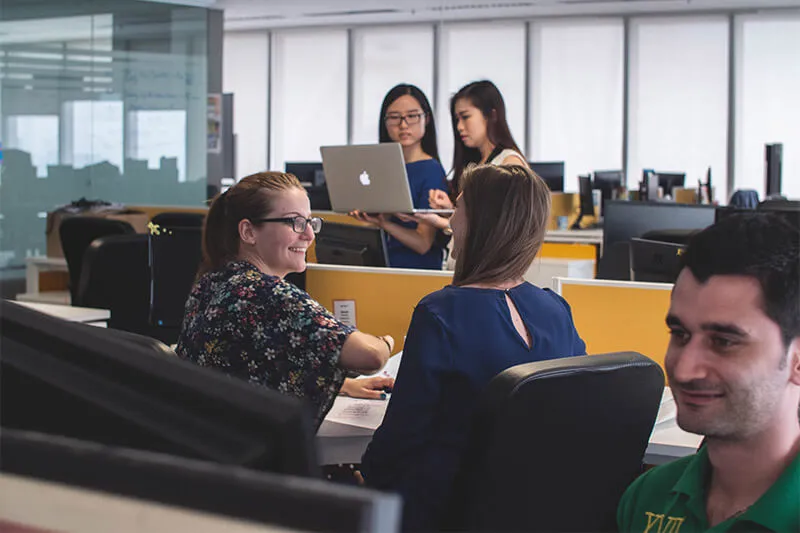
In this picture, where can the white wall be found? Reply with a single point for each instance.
(245, 73)
(573, 102)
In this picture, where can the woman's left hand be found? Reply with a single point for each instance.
(371, 388)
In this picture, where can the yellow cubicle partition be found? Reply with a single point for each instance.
(384, 298)
(613, 316)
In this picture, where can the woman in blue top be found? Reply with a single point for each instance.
(460, 337)
(406, 118)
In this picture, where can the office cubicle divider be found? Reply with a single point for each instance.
(615, 316)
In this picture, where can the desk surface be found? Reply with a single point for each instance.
(67, 312)
(340, 442)
(577, 236)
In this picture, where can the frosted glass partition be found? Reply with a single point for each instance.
(470, 52)
(382, 58)
(768, 98)
(576, 95)
(678, 115)
(309, 94)
(87, 111)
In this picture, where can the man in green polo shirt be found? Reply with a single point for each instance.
(733, 364)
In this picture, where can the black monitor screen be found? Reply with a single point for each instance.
(655, 261)
(668, 181)
(346, 244)
(78, 381)
(608, 181)
(309, 174)
(585, 195)
(626, 220)
(312, 177)
(552, 173)
(175, 255)
(171, 493)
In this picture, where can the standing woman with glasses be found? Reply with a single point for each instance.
(406, 118)
(243, 318)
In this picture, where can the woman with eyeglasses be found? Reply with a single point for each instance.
(244, 318)
(481, 136)
(406, 118)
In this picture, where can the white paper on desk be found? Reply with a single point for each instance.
(667, 410)
(357, 412)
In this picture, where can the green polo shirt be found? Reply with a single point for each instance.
(672, 499)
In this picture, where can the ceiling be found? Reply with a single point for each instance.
(255, 14)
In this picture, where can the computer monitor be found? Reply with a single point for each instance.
(626, 220)
(773, 169)
(655, 261)
(586, 205)
(552, 173)
(607, 182)
(49, 481)
(312, 177)
(175, 256)
(667, 181)
(75, 380)
(346, 244)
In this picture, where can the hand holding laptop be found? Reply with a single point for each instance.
(376, 219)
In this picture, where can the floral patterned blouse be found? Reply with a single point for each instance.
(265, 330)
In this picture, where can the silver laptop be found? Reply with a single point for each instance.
(369, 177)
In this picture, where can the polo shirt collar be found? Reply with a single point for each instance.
(776, 510)
(693, 483)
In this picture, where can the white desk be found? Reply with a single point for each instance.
(85, 315)
(33, 267)
(342, 443)
(575, 236)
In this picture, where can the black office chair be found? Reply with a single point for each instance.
(179, 220)
(174, 261)
(556, 443)
(76, 234)
(116, 276)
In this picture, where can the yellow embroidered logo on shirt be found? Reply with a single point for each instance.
(673, 524)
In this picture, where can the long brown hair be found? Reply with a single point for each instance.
(507, 210)
(485, 96)
(251, 198)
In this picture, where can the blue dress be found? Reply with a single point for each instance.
(458, 340)
(422, 177)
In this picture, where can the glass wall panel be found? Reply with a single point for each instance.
(104, 100)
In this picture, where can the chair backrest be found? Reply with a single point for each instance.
(116, 276)
(744, 199)
(175, 257)
(556, 443)
(76, 233)
(179, 220)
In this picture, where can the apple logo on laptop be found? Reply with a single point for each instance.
(364, 178)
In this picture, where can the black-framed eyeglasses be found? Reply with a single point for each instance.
(298, 223)
(412, 119)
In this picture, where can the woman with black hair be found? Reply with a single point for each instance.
(407, 118)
